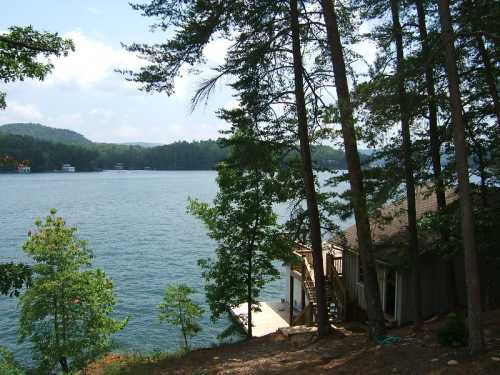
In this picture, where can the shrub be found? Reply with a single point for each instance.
(66, 312)
(454, 331)
(7, 364)
(178, 309)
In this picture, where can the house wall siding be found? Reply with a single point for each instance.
(355, 288)
(350, 274)
(435, 295)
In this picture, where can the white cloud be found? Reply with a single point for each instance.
(216, 50)
(232, 104)
(367, 48)
(91, 65)
(19, 112)
(70, 120)
(186, 84)
(86, 95)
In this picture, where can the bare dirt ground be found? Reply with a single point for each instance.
(347, 352)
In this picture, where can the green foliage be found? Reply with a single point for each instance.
(454, 331)
(7, 364)
(23, 54)
(43, 155)
(45, 133)
(66, 313)
(242, 220)
(13, 277)
(178, 309)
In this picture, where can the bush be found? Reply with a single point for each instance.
(178, 309)
(66, 313)
(454, 331)
(7, 364)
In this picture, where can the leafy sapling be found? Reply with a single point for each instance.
(66, 312)
(178, 309)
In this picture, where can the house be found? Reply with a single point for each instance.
(390, 251)
(344, 274)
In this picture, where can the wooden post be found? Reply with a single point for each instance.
(329, 264)
(303, 290)
(291, 299)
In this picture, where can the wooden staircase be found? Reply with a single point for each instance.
(336, 292)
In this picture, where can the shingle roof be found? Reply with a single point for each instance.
(382, 230)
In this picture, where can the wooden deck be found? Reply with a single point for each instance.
(273, 315)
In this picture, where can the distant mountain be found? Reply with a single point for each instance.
(45, 133)
(46, 149)
(142, 144)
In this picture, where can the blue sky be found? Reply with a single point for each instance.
(86, 95)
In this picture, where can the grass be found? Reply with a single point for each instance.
(139, 364)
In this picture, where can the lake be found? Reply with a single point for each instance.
(136, 224)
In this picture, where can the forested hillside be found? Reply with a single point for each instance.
(45, 133)
(45, 156)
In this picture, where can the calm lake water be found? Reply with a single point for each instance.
(136, 224)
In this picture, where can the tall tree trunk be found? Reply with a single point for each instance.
(408, 167)
(184, 335)
(358, 195)
(249, 295)
(476, 343)
(488, 73)
(312, 204)
(435, 143)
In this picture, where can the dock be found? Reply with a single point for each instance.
(272, 317)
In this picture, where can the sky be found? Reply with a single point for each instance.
(85, 94)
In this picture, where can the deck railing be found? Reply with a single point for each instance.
(336, 289)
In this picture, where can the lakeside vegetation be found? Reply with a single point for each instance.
(45, 149)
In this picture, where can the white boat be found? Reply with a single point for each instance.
(68, 168)
(21, 168)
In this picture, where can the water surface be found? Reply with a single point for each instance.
(136, 224)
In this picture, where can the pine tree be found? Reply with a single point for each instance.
(358, 195)
(476, 342)
(312, 204)
(408, 163)
(242, 221)
(434, 137)
(264, 79)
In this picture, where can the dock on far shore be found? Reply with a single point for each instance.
(273, 316)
